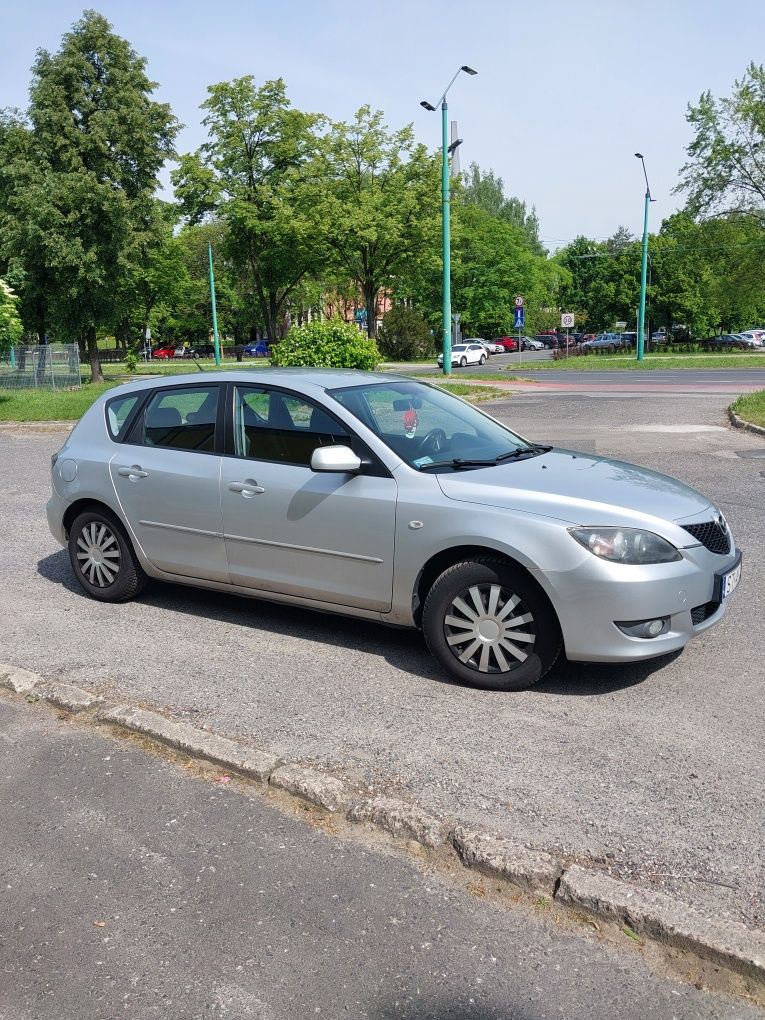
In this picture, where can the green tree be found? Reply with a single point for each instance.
(251, 175)
(486, 190)
(405, 335)
(379, 205)
(494, 261)
(11, 329)
(82, 183)
(725, 171)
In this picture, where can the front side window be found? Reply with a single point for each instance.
(429, 428)
(181, 419)
(271, 425)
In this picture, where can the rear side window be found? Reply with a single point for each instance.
(181, 419)
(117, 413)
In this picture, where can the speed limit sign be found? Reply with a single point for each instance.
(519, 300)
(567, 320)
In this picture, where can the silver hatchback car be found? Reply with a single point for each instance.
(381, 497)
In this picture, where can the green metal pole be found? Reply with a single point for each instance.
(446, 339)
(643, 268)
(214, 309)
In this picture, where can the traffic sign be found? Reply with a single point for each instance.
(567, 320)
(519, 301)
(518, 322)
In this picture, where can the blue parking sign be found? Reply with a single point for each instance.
(519, 318)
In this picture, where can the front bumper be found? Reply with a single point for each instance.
(590, 599)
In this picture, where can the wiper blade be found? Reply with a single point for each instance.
(513, 453)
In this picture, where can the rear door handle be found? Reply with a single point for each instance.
(132, 472)
(247, 488)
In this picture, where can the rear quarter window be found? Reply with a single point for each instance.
(117, 413)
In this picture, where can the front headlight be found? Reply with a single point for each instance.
(626, 545)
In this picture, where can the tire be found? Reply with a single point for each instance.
(99, 532)
(520, 663)
(463, 361)
(483, 360)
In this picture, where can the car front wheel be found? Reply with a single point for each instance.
(103, 559)
(463, 361)
(482, 360)
(488, 625)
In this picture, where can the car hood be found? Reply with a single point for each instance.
(576, 487)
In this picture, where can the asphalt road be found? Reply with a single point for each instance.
(132, 889)
(652, 771)
(701, 380)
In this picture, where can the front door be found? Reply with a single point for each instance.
(167, 479)
(288, 529)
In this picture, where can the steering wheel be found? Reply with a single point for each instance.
(432, 442)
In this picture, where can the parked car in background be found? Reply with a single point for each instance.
(606, 341)
(184, 352)
(163, 352)
(507, 343)
(661, 336)
(754, 338)
(257, 349)
(205, 350)
(528, 343)
(547, 340)
(300, 486)
(466, 354)
(488, 345)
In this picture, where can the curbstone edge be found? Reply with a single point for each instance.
(530, 870)
(183, 737)
(659, 917)
(741, 423)
(400, 818)
(69, 697)
(310, 784)
(20, 681)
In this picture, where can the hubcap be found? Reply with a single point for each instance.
(98, 554)
(486, 629)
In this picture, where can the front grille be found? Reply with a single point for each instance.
(701, 613)
(711, 535)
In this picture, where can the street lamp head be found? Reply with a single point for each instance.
(468, 70)
(638, 155)
(427, 106)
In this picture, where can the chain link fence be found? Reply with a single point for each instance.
(42, 366)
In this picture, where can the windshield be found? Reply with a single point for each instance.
(431, 429)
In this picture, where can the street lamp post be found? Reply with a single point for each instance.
(446, 149)
(643, 264)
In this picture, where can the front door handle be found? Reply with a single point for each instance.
(132, 472)
(247, 488)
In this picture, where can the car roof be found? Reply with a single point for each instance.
(316, 379)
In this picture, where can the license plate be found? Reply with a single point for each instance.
(730, 581)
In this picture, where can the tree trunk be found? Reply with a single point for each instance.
(370, 297)
(96, 375)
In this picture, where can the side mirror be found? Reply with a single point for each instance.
(335, 458)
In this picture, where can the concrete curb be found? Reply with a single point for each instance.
(657, 916)
(651, 915)
(747, 426)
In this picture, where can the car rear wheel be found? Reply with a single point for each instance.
(103, 559)
(488, 625)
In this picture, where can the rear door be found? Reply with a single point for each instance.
(166, 476)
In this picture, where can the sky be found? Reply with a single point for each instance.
(566, 92)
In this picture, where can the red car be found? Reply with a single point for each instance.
(163, 352)
(510, 343)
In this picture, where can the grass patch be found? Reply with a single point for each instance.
(474, 393)
(751, 407)
(651, 362)
(49, 405)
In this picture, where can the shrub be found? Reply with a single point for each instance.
(131, 361)
(405, 336)
(327, 344)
